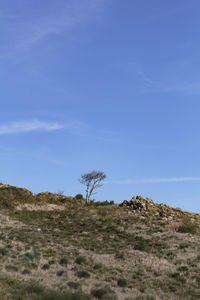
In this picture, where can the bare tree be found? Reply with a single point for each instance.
(92, 181)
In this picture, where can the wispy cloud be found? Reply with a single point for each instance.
(74, 127)
(27, 30)
(28, 126)
(172, 82)
(154, 180)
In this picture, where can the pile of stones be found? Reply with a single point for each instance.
(138, 203)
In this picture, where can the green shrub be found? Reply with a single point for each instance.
(187, 227)
(99, 293)
(142, 245)
(119, 255)
(73, 285)
(3, 251)
(98, 266)
(103, 293)
(81, 260)
(26, 272)
(5, 203)
(45, 267)
(29, 255)
(101, 203)
(11, 268)
(37, 292)
(122, 282)
(142, 297)
(182, 269)
(52, 262)
(60, 273)
(63, 261)
(83, 274)
(79, 196)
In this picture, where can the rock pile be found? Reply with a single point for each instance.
(138, 203)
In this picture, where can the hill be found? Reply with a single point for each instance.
(55, 247)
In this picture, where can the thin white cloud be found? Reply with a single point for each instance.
(155, 180)
(28, 126)
(29, 30)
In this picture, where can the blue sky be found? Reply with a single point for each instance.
(102, 84)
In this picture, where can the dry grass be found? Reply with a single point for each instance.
(98, 252)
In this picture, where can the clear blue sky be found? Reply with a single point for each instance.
(102, 84)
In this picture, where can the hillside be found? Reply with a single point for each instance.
(54, 247)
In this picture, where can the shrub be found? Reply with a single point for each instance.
(98, 266)
(119, 255)
(25, 291)
(81, 260)
(79, 196)
(83, 274)
(103, 293)
(60, 273)
(99, 293)
(142, 297)
(73, 285)
(101, 203)
(52, 262)
(11, 268)
(45, 267)
(187, 227)
(26, 272)
(3, 251)
(142, 245)
(63, 261)
(29, 255)
(5, 203)
(122, 282)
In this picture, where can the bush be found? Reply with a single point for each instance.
(26, 272)
(41, 293)
(99, 293)
(142, 245)
(119, 255)
(60, 273)
(79, 196)
(103, 293)
(81, 260)
(83, 274)
(73, 285)
(142, 297)
(63, 261)
(3, 251)
(101, 203)
(45, 267)
(11, 268)
(187, 227)
(122, 282)
(98, 266)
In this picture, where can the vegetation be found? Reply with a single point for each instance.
(78, 251)
(92, 181)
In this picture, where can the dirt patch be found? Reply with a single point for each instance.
(46, 207)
